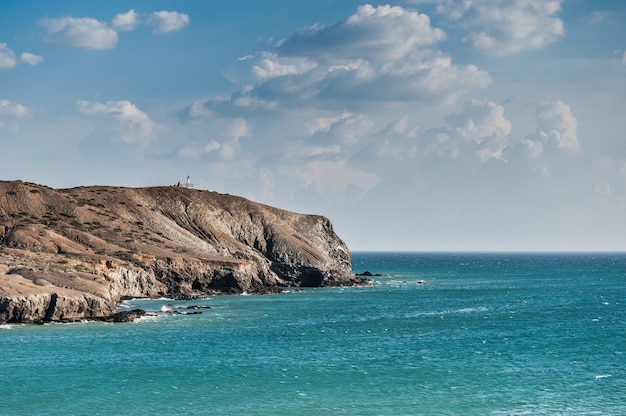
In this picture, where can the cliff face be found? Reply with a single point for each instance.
(74, 253)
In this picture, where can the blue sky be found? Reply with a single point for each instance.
(414, 125)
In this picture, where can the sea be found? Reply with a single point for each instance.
(435, 334)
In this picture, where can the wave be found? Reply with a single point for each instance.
(458, 311)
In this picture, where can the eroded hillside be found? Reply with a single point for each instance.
(74, 253)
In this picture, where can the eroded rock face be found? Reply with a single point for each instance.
(74, 253)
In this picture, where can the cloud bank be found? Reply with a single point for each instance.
(381, 54)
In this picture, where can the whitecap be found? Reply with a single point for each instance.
(167, 308)
(149, 318)
(601, 376)
(470, 310)
(6, 326)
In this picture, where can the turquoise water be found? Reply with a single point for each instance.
(487, 334)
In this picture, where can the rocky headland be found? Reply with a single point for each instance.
(68, 254)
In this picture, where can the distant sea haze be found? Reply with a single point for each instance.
(467, 334)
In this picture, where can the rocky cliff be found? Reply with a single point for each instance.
(75, 253)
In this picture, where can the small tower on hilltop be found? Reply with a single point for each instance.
(187, 184)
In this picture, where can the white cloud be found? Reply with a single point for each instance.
(515, 26)
(80, 32)
(196, 149)
(7, 57)
(89, 33)
(398, 140)
(348, 131)
(9, 113)
(269, 65)
(378, 54)
(453, 9)
(13, 109)
(534, 148)
(556, 125)
(126, 21)
(239, 128)
(167, 21)
(480, 128)
(211, 146)
(333, 177)
(135, 123)
(556, 121)
(323, 124)
(31, 59)
(504, 27)
(376, 34)
(480, 120)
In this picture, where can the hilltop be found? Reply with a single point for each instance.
(75, 253)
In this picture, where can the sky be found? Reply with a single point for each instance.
(418, 125)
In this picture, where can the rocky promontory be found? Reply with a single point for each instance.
(75, 253)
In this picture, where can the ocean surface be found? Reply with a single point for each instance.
(437, 334)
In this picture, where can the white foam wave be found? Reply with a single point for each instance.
(6, 326)
(167, 308)
(601, 376)
(149, 318)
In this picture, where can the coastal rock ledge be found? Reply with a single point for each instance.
(74, 253)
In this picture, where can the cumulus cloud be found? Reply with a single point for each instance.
(503, 27)
(379, 54)
(345, 128)
(556, 125)
(330, 88)
(135, 124)
(31, 58)
(398, 140)
(167, 21)
(126, 21)
(516, 26)
(89, 33)
(480, 127)
(13, 109)
(81, 32)
(374, 34)
(9, 114)
(556, 121)
(7, 57)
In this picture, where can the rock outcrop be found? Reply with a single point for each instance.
(74, 253)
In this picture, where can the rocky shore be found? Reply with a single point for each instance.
(74, 253)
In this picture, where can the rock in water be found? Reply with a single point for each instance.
(74, 253)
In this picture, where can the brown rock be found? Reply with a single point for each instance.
(74, 253)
